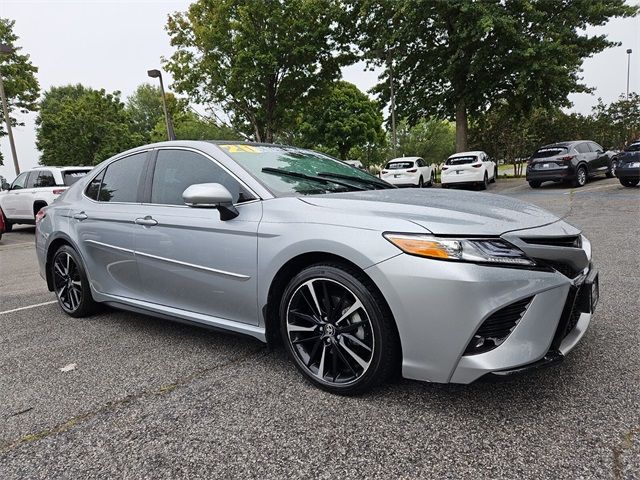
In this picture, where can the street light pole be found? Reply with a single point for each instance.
(157, 74)
(628, 69)
(6, 49)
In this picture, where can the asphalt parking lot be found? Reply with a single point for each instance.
(150, 398)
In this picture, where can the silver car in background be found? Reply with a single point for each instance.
(357, 278)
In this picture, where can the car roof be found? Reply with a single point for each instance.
(466, 154)
(568, 144)
(59, 168)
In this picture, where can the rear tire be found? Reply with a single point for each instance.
(629, 182)
(71, 284)
(343, 354)
(534, 184)
(581, 177)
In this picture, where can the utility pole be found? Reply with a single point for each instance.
(6, 49)
(393, 103)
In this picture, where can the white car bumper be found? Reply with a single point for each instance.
(451, 175)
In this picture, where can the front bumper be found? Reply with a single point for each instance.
(439, 306)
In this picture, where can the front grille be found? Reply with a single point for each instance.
(497, 327)
(564, 268)
(571, 241)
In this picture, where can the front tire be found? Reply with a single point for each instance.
(485, 183)
(629, 182)
(337, 329)
(8, 226)
(71, 284)
(534, 184)
(432, 179)
(421, 183)
(612, 169)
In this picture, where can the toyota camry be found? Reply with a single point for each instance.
(358, 279)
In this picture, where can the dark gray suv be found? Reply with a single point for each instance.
(573, 162)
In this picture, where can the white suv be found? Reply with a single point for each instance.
(34, 189)
(408, 171)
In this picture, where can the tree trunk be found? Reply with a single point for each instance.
(461, 126)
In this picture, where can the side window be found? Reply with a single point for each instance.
(121, 179)
(20, 181)
(178, 169)
(33, 177)
(583, 148)
(45, 179)
(94, 186)
(595, 147)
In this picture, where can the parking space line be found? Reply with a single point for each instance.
(17, 244)
(28, 307)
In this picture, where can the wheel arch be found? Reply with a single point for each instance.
(52, 246)
(291, 268)
(37, 205)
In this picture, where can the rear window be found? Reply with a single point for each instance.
(549, 152)
(461, 160)
(399, 165)
(634, 147)
(69, 177)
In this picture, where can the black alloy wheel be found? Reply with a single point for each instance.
(629, 182)
(70, 283)
(336, 331)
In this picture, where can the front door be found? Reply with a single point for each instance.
(187, 257)
(11, 199)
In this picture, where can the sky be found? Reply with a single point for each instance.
(111, 44)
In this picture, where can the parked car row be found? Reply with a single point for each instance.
(21, 200)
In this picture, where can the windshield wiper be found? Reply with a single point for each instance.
(287, 173)
(374, 183)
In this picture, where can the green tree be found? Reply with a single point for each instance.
(456, 58)
(188, 125)
(145, 109)
(431, 139)
(259, 60)
(340, 119)
(18, 73)
(78, 125)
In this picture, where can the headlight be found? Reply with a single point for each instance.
(475, 250)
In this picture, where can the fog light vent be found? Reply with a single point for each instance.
(495, 329)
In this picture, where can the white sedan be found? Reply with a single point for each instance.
(469, 168)
(408, 172)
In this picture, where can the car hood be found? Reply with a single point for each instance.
(442, 212)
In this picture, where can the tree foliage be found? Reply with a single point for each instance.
(145, 109)
(78, 125)
(432, 139)
(259, 60)
(454, 58)
(18, 73)
(188, 125)
(340, 119)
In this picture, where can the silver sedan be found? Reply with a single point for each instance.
(359, 280)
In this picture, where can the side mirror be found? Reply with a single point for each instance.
(211, 195)
(5, 186)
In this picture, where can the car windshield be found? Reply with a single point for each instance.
(549, 152)
(398, 165)
(461, 160)
(72, 176)
(289, 171)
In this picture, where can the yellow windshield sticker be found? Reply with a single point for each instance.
(241, 148)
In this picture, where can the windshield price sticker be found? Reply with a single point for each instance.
(241, 148)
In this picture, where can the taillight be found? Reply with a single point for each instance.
(40, 215)
(568, 158)
(413, 170)
(478, 165)
(445, 168)
(58, 191)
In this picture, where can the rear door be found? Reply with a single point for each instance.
(188, 257)
(104, 223)
(11, 199)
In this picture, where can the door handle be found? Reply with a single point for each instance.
(147, 221)
(81, 216)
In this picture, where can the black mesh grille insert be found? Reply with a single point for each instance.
(572, 241)
(495, 329)
(564, 268)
